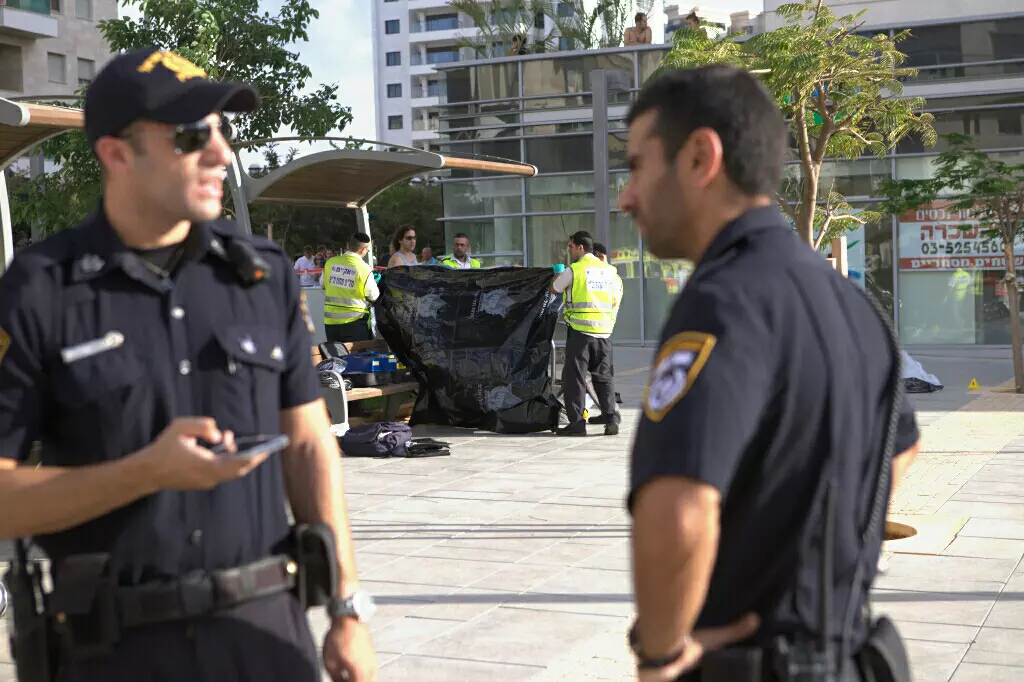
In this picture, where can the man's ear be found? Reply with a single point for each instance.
(702, 157)
(113, 154)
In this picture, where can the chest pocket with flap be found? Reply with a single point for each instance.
(246, 387)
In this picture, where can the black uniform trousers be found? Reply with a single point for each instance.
(265, 640)
(356, 330)
(587, 354)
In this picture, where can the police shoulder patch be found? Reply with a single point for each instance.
(5, 344)
(676, 367)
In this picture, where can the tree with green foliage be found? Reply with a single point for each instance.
(497, 23)
(232, 40)
(416, 206)
(840, 92)
(991, 192)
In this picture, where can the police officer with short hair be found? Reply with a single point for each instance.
(130, 346)
(591, 291)
(767, 411)
(349, 288)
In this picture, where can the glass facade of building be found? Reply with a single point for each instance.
(941, 283)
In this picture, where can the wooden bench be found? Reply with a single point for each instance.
(337, 401)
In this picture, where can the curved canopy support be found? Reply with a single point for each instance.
(23, 125)
(351, 178)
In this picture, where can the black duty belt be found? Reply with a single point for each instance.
(202, 594)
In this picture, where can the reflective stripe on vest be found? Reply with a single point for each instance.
(591, 304)
(451, 262)
(345, 295)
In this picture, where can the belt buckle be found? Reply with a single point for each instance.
(196, 596)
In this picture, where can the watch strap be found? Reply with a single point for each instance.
(645, 663)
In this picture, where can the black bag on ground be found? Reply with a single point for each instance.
(386, 439)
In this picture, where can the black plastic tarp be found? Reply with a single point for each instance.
(478, 341)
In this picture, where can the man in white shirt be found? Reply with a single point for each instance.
(303, 264)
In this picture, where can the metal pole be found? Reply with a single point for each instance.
(7, 236)
(363, 225)
(238, 194)
(599, 100)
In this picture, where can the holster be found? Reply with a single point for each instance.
(84, 605)
(32, 639)
(884, 655)
(312, 548)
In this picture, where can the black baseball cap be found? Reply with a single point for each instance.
(157, 85)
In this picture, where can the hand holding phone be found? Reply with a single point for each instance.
(253, 446)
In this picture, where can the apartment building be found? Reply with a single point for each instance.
(49, 48)
(534, 108)
(412, 37)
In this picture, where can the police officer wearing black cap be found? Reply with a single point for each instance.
(131, 346)
(771, 404)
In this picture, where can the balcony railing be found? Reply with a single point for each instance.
(418, 59)
(37, 6)
(429, 124)
(437, 90)
(439, 25)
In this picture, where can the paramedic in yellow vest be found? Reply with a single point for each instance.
(349, 289)
(591, 292)
(460, 259)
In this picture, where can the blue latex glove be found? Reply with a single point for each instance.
(559, 268)
(376, 277)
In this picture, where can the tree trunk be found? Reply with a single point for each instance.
(808, 205)
(1014, 301)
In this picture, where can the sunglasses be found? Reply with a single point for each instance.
(193, 137)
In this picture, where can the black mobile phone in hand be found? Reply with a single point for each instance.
(254, 446)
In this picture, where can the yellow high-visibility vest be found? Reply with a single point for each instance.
(451, 262)
(592, 303)
(344, 289)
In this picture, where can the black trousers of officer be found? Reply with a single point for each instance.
(356, 330)
(587, 354)
(265, 640)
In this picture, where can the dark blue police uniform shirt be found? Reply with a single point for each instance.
(754, 414)
(201, 344)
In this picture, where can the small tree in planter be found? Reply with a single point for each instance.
(988, 189)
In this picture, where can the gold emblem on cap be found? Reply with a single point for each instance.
(174, 63)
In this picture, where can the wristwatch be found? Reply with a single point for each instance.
(358, 605)
(644, 663)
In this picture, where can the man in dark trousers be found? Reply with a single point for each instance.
(770, 414)
(131, 346)
(591, 292)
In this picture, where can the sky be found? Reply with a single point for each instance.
(339, 51)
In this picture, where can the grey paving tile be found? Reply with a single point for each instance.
(934, 661)
(418, 668)
(993, 528)
(518, 577)
(562, 554)
(517, 636)
(7, 672)
(1015, 658)
(920, 566)
(946, 608)
(984, 510)
(977, 672)
(468, 603)
(937, 632)
(1005, 640)
(423, 569)
(1008, 612)
(580, 590)
(405, 634)
(986, 548)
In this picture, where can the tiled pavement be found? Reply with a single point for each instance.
(509, 560)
